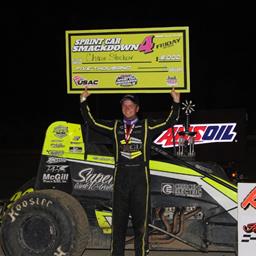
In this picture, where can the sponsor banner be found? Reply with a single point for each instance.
(246, 219)
(151, 60)
(205, 133)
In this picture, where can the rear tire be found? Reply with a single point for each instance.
(45, 223)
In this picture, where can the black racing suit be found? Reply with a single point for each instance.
(131, 177)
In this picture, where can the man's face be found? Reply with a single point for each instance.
(129, 109)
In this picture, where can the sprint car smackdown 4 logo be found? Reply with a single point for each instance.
(205, 133)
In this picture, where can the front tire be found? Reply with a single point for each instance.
(45, 223)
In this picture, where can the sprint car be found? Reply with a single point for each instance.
(66, 208)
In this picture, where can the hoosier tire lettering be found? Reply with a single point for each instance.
(59, 252)
(15, 211)
(45, 223)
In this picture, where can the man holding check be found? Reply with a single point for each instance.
(132, 138)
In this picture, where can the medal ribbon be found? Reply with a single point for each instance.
(128, 128)
(128, 131)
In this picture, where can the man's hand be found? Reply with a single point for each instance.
(175, 95)
(84, 94)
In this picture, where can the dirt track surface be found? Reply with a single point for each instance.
(163, 253)
(153, 253)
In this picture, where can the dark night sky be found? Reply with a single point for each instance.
(33, 84)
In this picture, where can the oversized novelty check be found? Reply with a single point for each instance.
(144, 60)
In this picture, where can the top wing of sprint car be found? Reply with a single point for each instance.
(192, 205)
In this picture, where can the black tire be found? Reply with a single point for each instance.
(46, 222)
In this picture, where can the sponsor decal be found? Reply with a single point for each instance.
(187, 190)
(205, 133)
(55, 178)
(55, 152)
(54, 160)
(75, 149)
(56, 168)
(60, 131)
(250, 228)
(246, 219)
(76, 142)
(132, 149)
(90, 180)
(250, 200)
(79, 81)
(76, 138)
(126, 80)
(57, 145)
(55, 174)
(171, 80)
(15, 211)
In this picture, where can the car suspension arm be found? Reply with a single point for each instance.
(199, 248)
